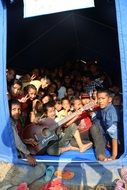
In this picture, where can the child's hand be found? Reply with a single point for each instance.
(31, 160)
(24, 99)
(30, 141)
(33, 77)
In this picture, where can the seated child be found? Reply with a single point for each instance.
(65, 136)
(66, 109)
(58, 106)
(16, 123)
(107, 116)
(88, 130)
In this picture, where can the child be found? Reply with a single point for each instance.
(66, 108)
(37, 111)
(87, 130)
(16, 89)
(85, 98)
(58, 106)
(70, 131)
(108, 119)
(117, 102)
(15, 114)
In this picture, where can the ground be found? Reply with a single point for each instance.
(12, 175)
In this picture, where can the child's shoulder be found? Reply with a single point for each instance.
(111, 110)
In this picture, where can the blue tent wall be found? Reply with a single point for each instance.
(7, 148)
(122, 32)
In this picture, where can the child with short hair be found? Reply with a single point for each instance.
(87, 130)
(107, 116)
(67, 133)
(16, 123)
(58, 106)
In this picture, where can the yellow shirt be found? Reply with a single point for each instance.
(36, 83)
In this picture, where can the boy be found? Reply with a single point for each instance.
(87, 129)
(108, 119)
(68, 132)
(15, 114)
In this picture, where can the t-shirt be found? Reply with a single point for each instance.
(108, 120)
(36, 83)
(61, 92)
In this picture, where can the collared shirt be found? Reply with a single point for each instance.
(18, 142)
(109, 120)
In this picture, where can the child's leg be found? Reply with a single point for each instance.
(99, 144)
(71, 132)
(114, 149)
(55, 150)
(82, 147)
(64, 149)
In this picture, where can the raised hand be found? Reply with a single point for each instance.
(24, 99)
(33, 77)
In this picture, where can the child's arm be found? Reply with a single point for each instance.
(75, 118)
(71, 121)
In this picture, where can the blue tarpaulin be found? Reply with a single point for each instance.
(7, 147)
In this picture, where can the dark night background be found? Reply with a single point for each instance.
(50, 40)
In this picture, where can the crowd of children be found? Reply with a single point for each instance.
(81, 96)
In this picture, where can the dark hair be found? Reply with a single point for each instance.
(107, 91)
(28, 87)
(58, 101)
(47, 106)
(75, 98)
(13, 102)
(17, 81)
(65, 98)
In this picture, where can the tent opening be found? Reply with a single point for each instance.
(78, 50)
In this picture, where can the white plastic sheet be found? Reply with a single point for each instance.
(42, 7)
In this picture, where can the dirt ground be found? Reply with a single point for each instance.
(12, 175)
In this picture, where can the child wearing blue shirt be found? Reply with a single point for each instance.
(107, 116)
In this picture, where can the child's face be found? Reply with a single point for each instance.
(10, 74)
(32, 93)
(70, 92)
(58, 106)
(15, 111)
(85, 101)
(103, 99)
(15, 90)
(77, 104)
(44, 82)
(117, 101)
(51, 112)
(45, 99)
(66, 105)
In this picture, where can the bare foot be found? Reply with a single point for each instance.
(64, 149)
(101, 157)
(109, 158)
(86, 146)
(74, 148)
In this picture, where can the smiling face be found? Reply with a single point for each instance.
(66, 105)
(32, 93)
(51, 112)
(77, 104)
(103, 99)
